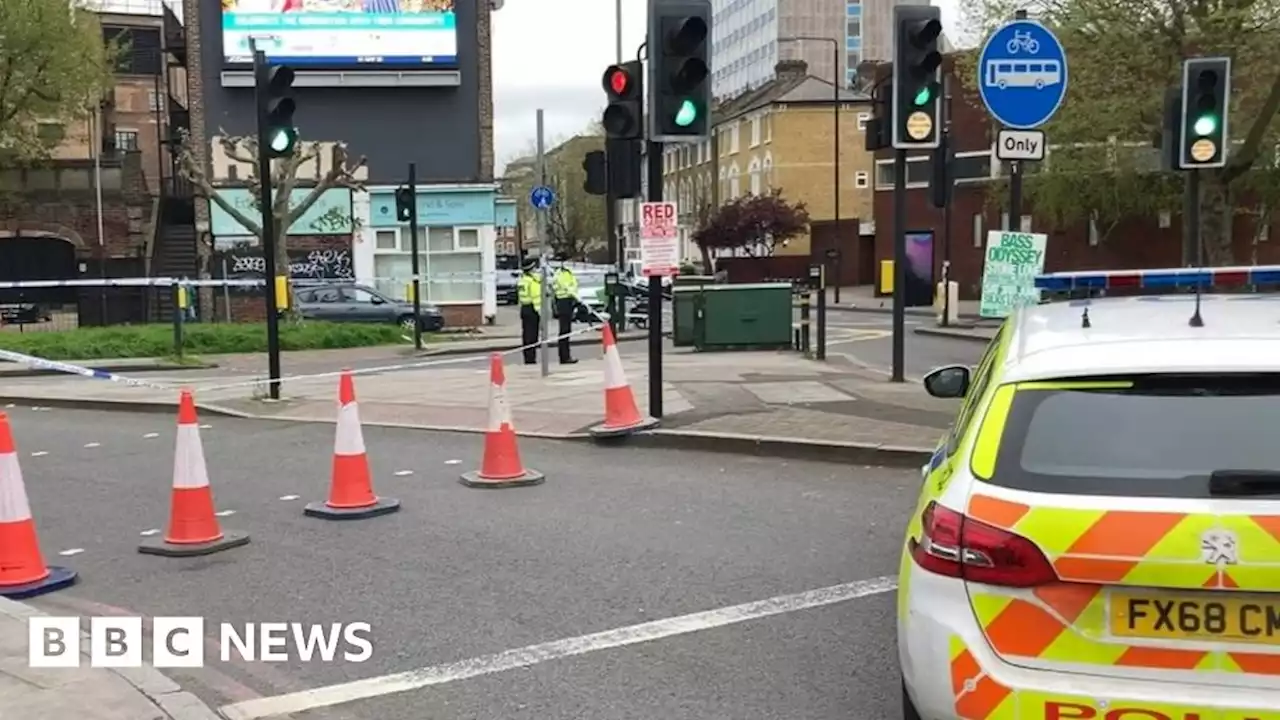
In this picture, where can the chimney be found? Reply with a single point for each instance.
(789, 69)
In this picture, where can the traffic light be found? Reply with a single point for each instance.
(942, 174)
(597, 182)
(917, 86)
(277, 132)
(881, 120)
(624, 86)
(1206, 95)
(623, 158)
(404, 204)
(679, 70)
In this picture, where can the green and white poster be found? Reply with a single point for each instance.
(1008, 273)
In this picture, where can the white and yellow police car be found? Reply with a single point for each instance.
(1098, 537)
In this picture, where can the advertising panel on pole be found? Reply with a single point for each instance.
(1013, 259)
(365, 33)
(659, 239)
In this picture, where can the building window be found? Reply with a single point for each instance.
(862, 121)
(1094, 235)
(853, 27)
(451, 263)
(755, 131)
(153, 101)
(1024, 226)
(861, 180)
(733, 139)
(977, 230)
(126, 140)
(976, 166)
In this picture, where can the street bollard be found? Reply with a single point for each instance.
(805, 302)
(179, 316)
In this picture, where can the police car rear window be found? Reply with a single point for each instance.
(1161, 437)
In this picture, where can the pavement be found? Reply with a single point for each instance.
(84, 693)
(635, 583)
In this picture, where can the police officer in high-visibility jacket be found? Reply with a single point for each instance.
(529, 295)
(565, 286)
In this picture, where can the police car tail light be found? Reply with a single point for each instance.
(957, 546)
(1168, 278)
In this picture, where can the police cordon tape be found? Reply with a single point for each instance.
(70, 369)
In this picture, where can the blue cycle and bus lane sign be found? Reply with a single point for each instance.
(1022, 74)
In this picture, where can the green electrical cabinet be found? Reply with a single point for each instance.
(684, 290)
(743, 317)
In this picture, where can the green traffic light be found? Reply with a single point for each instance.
(923, 96)
(1205, 125)
(282, 140)
(687, 113)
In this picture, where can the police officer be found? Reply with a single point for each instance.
(565, 286)
(529, 295)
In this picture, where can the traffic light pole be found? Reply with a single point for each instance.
(899, 263)
(653, 159)
(946, 209)
(413, 264)
(268, 228)
(617, 305)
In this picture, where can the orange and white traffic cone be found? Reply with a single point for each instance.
(351, 487)
(621, 416)
(193, 527)
(501, 466)
(23, 573)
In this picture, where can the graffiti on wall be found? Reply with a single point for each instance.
(247, 263)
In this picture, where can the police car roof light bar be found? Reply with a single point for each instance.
(1167, 278)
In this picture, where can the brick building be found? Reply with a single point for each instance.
(980, 200)
(781, 136)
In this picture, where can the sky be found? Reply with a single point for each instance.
(542, 58)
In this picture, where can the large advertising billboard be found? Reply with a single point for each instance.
(341, 33)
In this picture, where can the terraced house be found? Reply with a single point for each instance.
(783, 136)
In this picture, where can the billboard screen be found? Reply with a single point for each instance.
(337, 33)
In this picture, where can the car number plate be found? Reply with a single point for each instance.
(1221, 617)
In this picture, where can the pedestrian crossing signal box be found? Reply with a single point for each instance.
(818, 276)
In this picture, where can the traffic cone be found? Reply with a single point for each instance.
(351, 489)
(23, 573)
(621, 416)
(501, 466)
(193, 528)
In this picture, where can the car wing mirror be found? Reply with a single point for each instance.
(951, 381)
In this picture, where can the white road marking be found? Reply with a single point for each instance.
(206, 427)
(40, 453)
(536, 654)
(452, 462)
(225, 513)
(93, 445)
(10, 406)
(402, 473)
(148, 436)
(288, 497)
(149, 533)
(71, 551)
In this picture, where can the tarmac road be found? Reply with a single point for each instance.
(615, 538)
(866, 338)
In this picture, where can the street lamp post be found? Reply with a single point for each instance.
(835, 143)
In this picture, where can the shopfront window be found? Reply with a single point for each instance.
(450, 261)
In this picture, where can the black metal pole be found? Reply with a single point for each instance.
(822, 314)
(835, 162)
(653, 159)
(946, 210)
(268, 226)
(413, 264)
(899, 263)
(1015, 197)
(1193, 215)
(617, 304)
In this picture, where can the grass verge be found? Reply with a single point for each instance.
(156, 341)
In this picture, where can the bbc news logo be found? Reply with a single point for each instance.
(178, 642)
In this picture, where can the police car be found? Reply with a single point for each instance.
(1098, 537)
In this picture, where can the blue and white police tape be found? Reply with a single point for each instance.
(40, 363)
(124, 282)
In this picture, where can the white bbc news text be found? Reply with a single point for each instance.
(179, 642)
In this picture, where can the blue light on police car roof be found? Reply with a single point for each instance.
(1161, 278)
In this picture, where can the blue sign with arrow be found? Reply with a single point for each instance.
(1022, 74)
(542, 197)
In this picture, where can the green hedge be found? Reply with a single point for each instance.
(148, 341)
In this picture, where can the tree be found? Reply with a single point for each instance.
(756, 223)
(287, 174)
(54, 69)
(1123, 54)
(576, 223)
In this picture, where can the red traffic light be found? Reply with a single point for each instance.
(617, 81)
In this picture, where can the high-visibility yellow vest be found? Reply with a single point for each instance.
(529, 290)
(565, 284)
